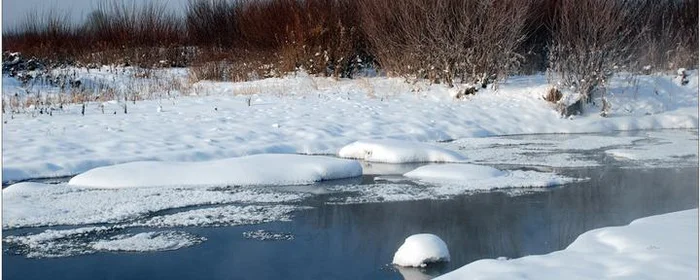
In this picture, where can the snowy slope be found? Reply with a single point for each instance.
(657, 247)
(311, 115)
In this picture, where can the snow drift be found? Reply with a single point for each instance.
(263, 169)
(657, 247)
(396, 151)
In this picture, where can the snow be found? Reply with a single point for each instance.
(148, 242)
(55, 243)
(661, 148)
(227, 215)
(263, 235)
(263, 169)
(309, 115)
(24, 188)
(396, 151)
(88, 240)
(455, 172)
(419, 250)
(657, 247)
(479, 177)
(67, 205)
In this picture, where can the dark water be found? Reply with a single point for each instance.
(358, 241)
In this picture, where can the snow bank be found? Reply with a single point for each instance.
(263, 169)
(419, 250)
(657, 247)
(310, 115)
(396, 151)
(478, 177)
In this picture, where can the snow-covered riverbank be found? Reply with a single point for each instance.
(311, 115)
(657, 247)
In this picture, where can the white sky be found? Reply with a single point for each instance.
(15, 11)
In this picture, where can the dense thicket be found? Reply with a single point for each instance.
(578, 42)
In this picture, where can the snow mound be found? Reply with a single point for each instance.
(396, 151)
(657, 247)
(478, 177)
(419, 250)
(148, 242)
(262, 169)
(456, 172)
(24, 188)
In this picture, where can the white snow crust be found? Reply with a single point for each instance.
(657, 247)
(396, 151)
(227, 215)
(87, 240)
(419, 250)
(262, 169)
(662, 149)
(148, 242)
(66, 205)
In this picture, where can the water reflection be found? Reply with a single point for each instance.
(422, 273)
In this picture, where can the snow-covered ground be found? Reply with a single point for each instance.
(310, 115)
(225, 154)
(657, 247)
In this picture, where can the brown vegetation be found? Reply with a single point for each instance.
(579, 42)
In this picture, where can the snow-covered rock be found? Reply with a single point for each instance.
(419, 250)
(397, 151)
(657, 247)
(479, 177)
(262, 169)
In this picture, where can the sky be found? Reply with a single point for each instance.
(15, 11)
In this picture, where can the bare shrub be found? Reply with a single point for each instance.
(670, 39)
(131, 33)
(49, 35)
(473, 41)
(591, 39)
(212, 23)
